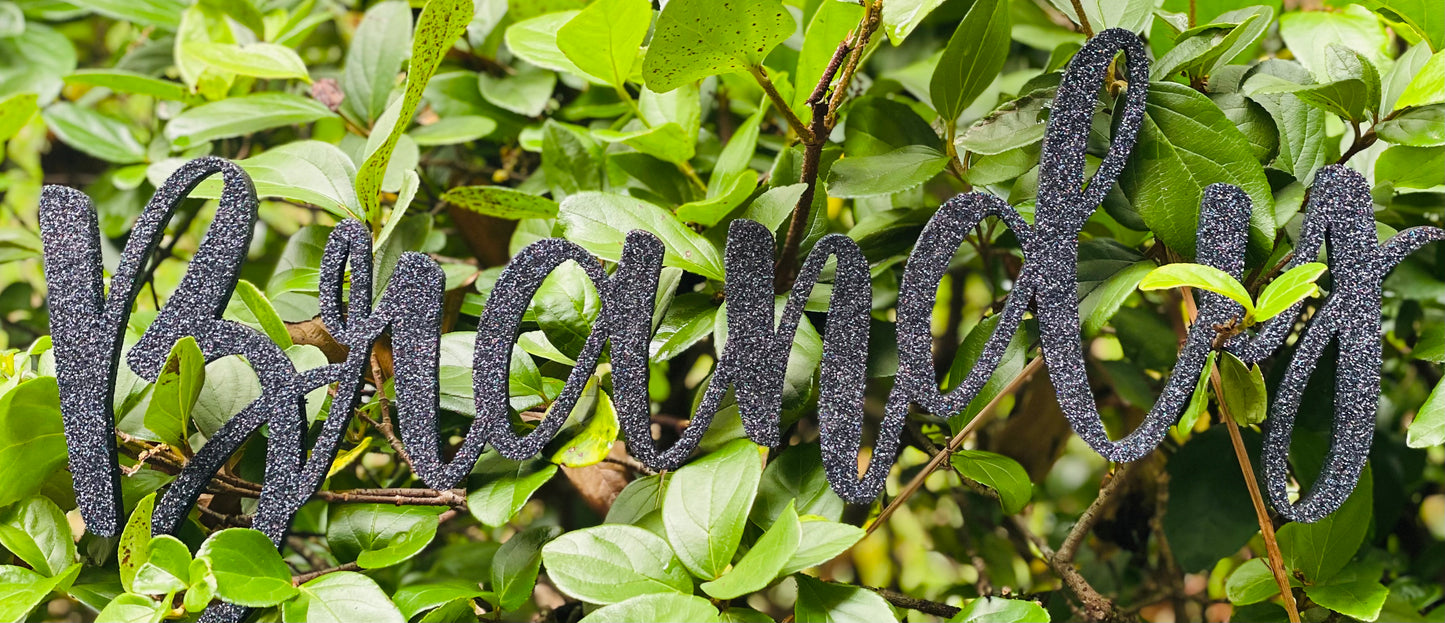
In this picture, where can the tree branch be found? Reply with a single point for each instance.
(913, 603)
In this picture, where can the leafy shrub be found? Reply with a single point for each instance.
(466, 132)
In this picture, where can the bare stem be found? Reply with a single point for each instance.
(1083, 19)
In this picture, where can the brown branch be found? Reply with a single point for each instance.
(1083, 19)
(824, 117)
(955, 443)
(298, 580)
(913, 603)
(1266, 527)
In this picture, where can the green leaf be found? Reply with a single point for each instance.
(1416, 127)
(694, 39)
(166, 569)
(821, 542)
(164, 14)
(895, 171)
(501, 202)
(503, 486)
(796, 478)
(441, 23)
(514, 568)
(1001, 610)
(241, 116)
(35, 531)
(1293, 286)
(535, 41)
(1201, 51)
(967, 357)
(1197, 276)
(413, 599)
(825, 602)
(611, 563)
(709, 212)
(1199, 400)
(707, 504)
(1411, 167)
(1201, 276)
(668, 142)
(135, 539)
(763, 562)
(17, 109)
(566, 305)
(133, 608)
(1017, 123)
(1428, 427)
(1321, 549)
(261, 60)
(168, 414)
(1428, 86)
(591, 445)
(901, 17)
(1308, 35)
(688, 320)
(32, 438)
(265, 314)
(603, 39)
(342, 597)
(1244, 391)
(998, 472)
(1301, 126)
(378, 48)
(1185, 144)
(93, 133)
(307, 171)
(973, 58)
(1419, 16)
(878, 125)
(1252, 582)
(454, 130)
(1355, 592)
(571, 160)
(600, 223)
(124, 81)
(380, 535)
(248, 569)
(1108, 274)
(1131, 15)
(655, 608)
(525, 92)
(22, 589)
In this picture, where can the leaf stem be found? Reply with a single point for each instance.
(1084, 19)
(796, 124)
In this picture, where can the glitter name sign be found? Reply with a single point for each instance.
(88, 325)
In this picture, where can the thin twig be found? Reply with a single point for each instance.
(796, 124)
(955, 443)
(1266, 527)
(913, 603)
(1083, 19)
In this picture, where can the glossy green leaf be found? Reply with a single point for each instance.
(514, 568)
(35, 531)
(603, 40)
(612, 563)
(901, 17)
(1197, 276)
(161, 13)
(998, 472)
(133, 608)
(535, 40)
(247, 568)
(342, 597)
(1295, 285)
(1428, 427)
(1416, 127)
(131, 82)
(502, 486)
(32, 438)
(380, 45)
(240, 116)
(380, 535)
(1428, 86)
(1244, 390)
(168, 414)
(261, 60)
(307, 171)
(166, 569)
(264, 313)
(707, 504)
(525, 92)
(135, 538)
(821, 542)
(826, 602)
(600, 222)
(1322, 549)
(974, 55)
(895, 171)
(1186, 144)
(94, 133)
(453, 130)
(1001, 610)
(763, 562)
(694, 39)
(1411, 167)
(659, 607)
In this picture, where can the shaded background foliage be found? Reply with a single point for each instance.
(467, 131)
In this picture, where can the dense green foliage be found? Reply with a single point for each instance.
(467, 131)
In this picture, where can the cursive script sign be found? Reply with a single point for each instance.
(88, 325)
